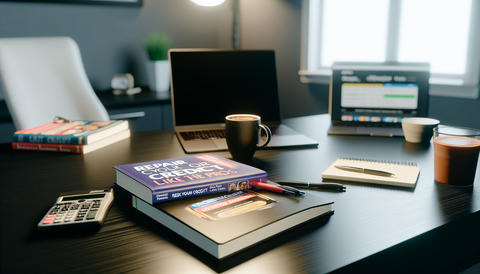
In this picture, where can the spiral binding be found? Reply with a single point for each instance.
(381, 161)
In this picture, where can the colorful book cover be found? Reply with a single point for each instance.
(164, 180)
(70, 133)
(79, 149)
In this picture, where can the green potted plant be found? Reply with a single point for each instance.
(158, 69)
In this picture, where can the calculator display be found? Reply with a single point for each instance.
(93, 196)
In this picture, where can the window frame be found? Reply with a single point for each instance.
(465, 86)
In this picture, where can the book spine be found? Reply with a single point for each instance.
(48, 147)
(231, 185)
(48, 139)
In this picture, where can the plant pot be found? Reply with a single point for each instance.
(158, 74)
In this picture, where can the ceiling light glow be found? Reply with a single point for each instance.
(208, 3)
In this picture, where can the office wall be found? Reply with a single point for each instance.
(110, 39)
(276, 24)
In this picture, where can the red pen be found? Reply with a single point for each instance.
(275, 188)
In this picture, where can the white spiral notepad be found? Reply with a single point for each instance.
(406, 173)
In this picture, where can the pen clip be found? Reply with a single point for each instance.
(288, 188)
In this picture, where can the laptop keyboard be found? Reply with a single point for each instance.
(383, 125)
(203, 134)
(216, 134)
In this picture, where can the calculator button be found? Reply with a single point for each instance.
(49, 219)
(91, 215)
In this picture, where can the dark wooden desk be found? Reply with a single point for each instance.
(430, 229)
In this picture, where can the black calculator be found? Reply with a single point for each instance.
(86, 210)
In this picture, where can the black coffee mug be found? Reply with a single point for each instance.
(243, 135)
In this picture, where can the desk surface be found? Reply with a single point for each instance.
(433, 228)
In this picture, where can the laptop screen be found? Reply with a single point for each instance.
(385, 92)
(208, 85)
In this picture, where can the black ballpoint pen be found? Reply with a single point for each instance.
(272, 186)
(288, 188)
(331, 186)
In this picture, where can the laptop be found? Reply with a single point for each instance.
(372, 98)
(209, 84)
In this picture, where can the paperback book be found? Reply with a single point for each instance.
(79, 149)
(70, 132)
(164, 180)
(225, 224)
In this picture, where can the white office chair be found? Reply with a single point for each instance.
(43, 78)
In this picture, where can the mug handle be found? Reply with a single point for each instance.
(269, 136)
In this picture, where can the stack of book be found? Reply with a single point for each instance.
(209, 201)
(71, 136)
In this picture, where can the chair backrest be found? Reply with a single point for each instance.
(44, 77)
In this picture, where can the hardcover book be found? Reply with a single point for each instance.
(80, 149)
(225, 224)
(70, 132)
(164, 180)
